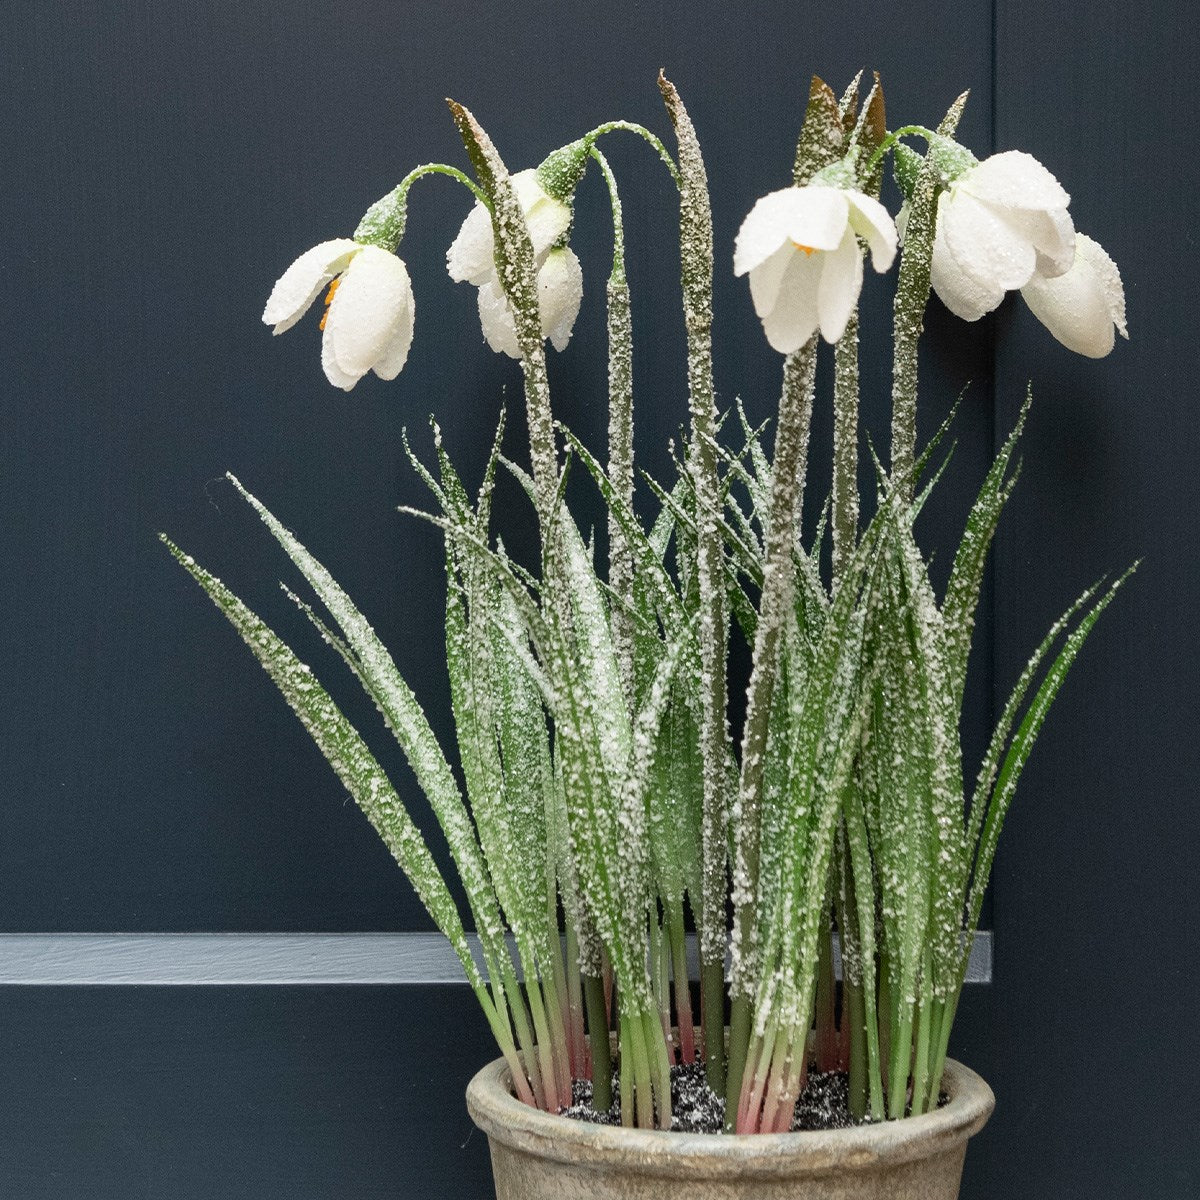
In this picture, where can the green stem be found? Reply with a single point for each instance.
(625, 1062)
(912, 297)
(739, 1049)
(901, 1065)
(633, 1044)
(511, 990)
(383, 223)
(920, 1073)
(891, 139)
(855, 1018)
(601, 1046)
(544, 1044)
(641, 131)
(502, 1032)
(824, 1007)
(620, 437)
(660, 1067)
(712, 1020)
(574, 992)
(844, 498)
(660, 973)
(696, 270)
(783, 517)
(683, 991)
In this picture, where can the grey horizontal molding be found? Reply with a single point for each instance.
(187, 959)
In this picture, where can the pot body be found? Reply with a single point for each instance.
(538, 1156)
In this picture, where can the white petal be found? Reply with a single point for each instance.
(1081, 307)
(1108, 277)
(1016, 180)
(560, 293)
(872, 221)
(963, 295)
(395, 353)
(794, 320)
(841, 281)
(1053, 235)
(496, 320)
(984, 244)
(303, 281)
(766, 278)
(375, 292)
(810, 216)
(819, 217)
(471, 257)
(334, 373)
(548, 219)
(763, 231)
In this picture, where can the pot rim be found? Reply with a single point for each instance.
(503, 1117)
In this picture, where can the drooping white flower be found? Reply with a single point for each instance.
(998, 223)
(560, 292)
(472, 255)
(369, 308)
(471, 259)
(800, 247)
(1083, 306)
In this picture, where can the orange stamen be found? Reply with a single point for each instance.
(807, 249)
(333, 287)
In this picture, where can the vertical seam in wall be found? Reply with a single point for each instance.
(993, 584)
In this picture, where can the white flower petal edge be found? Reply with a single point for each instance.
(800, 249)
(471, 257)
(999, 223)
(368, 324)
(303, 281)
(560, 293)
(370, 320)
(1084, 306)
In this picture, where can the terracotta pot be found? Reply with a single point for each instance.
(537, 1156)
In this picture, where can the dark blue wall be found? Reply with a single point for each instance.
(162, 165)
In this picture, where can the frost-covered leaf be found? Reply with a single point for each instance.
(347, 754)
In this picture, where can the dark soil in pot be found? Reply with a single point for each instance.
(696, 1108)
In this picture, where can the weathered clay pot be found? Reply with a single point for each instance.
(537, 1156)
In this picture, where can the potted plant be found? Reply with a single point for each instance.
(606, 800)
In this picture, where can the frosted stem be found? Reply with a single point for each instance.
(620, 437)
(844, 500)
(696, 254)
(783, 515)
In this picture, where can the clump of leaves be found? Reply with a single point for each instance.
(605, 802)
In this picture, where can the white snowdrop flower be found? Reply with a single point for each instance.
(560, 293)
(369, 308)
(800, 248)
(999, 222)
(1083, 306)
(471, 259)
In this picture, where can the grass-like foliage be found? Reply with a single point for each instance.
(605, 804)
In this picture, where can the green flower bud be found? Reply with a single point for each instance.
(560, 172)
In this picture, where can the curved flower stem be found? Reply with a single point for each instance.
(641, 131)
(891, 139)
(383, 223)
